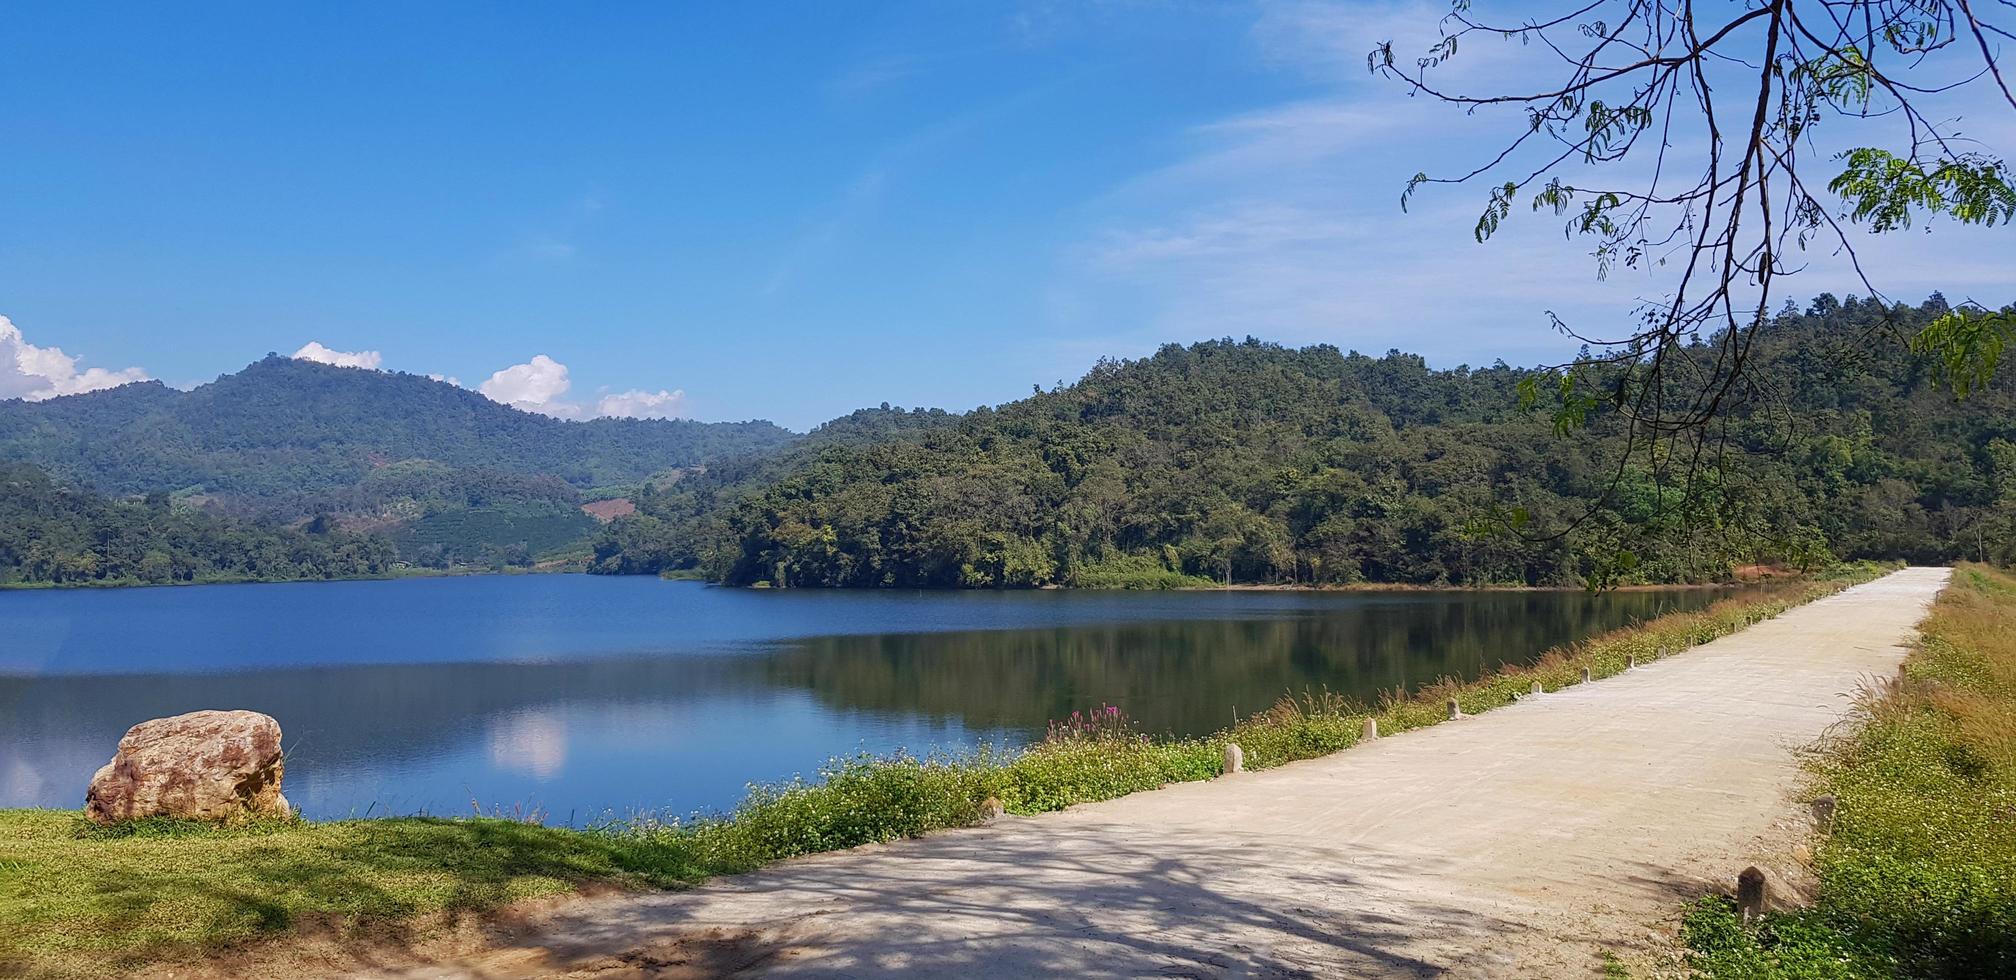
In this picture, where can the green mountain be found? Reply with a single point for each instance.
(454, 477)
(287, 429)
(1251, 462)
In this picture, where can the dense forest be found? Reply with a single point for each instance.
(1250, 462)
(56, 535)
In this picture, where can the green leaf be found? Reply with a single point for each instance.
(1968, 345)
(1884, 189)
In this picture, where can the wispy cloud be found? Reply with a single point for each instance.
(547, 248)
(1328, 41)
(818, 238)
(872, 75)
(1283, 221)
(1294, 138)
(558, 238)
(860, 198)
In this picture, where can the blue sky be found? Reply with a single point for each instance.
(781, 211)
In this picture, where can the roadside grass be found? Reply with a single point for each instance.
(1918, 874)
(79, 900)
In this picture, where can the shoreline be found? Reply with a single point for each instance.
(393, 576)
(1351, 587)
(1412, 587)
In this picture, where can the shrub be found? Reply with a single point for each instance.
(1134, 572)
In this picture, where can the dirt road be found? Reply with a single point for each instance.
(1524, 841)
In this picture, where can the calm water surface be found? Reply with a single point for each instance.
(579, 695)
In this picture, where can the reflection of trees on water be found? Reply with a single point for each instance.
(1189, 676)
(1180, 675)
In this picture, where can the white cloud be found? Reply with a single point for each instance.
(537, 385)
(35, 373)
(542, 383)
(314, 351)
(639, 404)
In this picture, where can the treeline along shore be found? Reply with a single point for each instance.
(1246, 462)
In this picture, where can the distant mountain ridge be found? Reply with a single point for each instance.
(284, 430)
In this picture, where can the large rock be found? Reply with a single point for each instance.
(205, 765)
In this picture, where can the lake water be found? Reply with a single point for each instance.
(580, 696)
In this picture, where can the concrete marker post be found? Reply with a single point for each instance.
(1585, 675)
(1537, 689)
(1751, 893)
(1823, 813)
(1455, 710)
(1370, 732)
(1235, 758)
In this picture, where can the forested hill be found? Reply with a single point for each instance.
(288, 429)
(1251, 462)
(60, 536)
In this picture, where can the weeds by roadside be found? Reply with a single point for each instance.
(1918, 873)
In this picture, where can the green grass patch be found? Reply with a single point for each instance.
(78, 900)
(1918, 875)
(85, 901)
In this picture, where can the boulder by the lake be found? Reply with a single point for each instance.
(219, 766)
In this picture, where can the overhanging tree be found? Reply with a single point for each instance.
(1687, 138)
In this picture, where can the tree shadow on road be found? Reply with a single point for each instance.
(1080, 901)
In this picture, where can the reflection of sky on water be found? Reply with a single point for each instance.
(19, 779)
(531, 743)
(576, 696)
